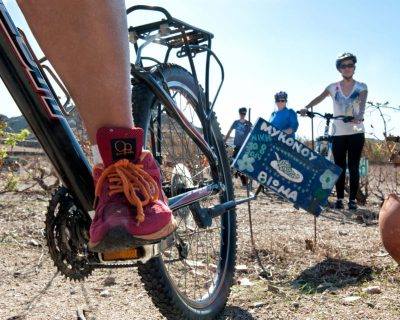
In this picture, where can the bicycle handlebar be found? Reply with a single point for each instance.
(328, 116)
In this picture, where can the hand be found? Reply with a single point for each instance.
(303, 112)
(288, 131)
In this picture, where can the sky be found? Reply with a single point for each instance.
(272, 45)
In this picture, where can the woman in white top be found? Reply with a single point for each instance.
(349, 97)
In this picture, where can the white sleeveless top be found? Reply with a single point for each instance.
(347, 106)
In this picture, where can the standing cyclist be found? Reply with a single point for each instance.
(349, 97)
(242, 128)
(283, 118)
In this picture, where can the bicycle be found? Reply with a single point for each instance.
(189, 274)
(323, 144)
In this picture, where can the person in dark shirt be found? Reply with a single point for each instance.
(284, 119)
(242, 128)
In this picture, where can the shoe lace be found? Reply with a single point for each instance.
(130, 179)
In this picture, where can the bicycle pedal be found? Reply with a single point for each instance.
(124, 254)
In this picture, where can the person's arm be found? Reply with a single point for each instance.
(293, 123)
(229, 132)
(318, 99)
(363, 100)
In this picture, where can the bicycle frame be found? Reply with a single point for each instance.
(37, 101)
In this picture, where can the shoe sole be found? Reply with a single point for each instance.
(119, 238)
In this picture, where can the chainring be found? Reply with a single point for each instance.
(67, 236)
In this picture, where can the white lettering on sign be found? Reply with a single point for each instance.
(289, 141)
(276, 185)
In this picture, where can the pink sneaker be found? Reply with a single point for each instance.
(131, 208)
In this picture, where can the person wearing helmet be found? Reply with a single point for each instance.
(349, 98)
(283, 118)
(242, 128)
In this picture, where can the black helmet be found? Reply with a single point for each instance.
(281, 95)
(345, 56)
(243, 110)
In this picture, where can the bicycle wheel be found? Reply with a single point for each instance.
(191, 280)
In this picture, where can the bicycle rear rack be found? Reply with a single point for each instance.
(176, 34)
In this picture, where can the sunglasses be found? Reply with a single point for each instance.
(280, 100)
(243, 113)
(344, 66)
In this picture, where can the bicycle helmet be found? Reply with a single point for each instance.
(281, 95)
(345, 56)
(243, 110)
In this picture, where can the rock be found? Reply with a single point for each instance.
(351, 299)
(33, 242)
(343, 233)
(241, 268)
(372, 290)
(72, 290)
(195, 264)
(105, 294)
(370, 304)
(382, 254)
(258, 304)
(16, 274)
(109, 281)
(295, 305)
(245, 282)
(323, 286)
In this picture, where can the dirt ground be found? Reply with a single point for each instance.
(347, 275)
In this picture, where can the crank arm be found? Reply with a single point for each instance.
(204, 216)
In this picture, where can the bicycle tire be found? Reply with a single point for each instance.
(164, 292)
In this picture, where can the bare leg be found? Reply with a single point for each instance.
(87, 43)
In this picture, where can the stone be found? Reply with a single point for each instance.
(245, 282)
(105, 294)
(109, 281)
(33, 242)
(241, 268)
(258, 304)
(351, 299)
(372, 290)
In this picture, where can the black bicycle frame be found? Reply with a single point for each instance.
(34, 96)
(24, 79)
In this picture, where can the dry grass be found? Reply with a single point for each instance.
(305, 284)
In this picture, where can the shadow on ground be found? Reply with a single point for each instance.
(236, 313)
(363, 216)
(331, 274)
